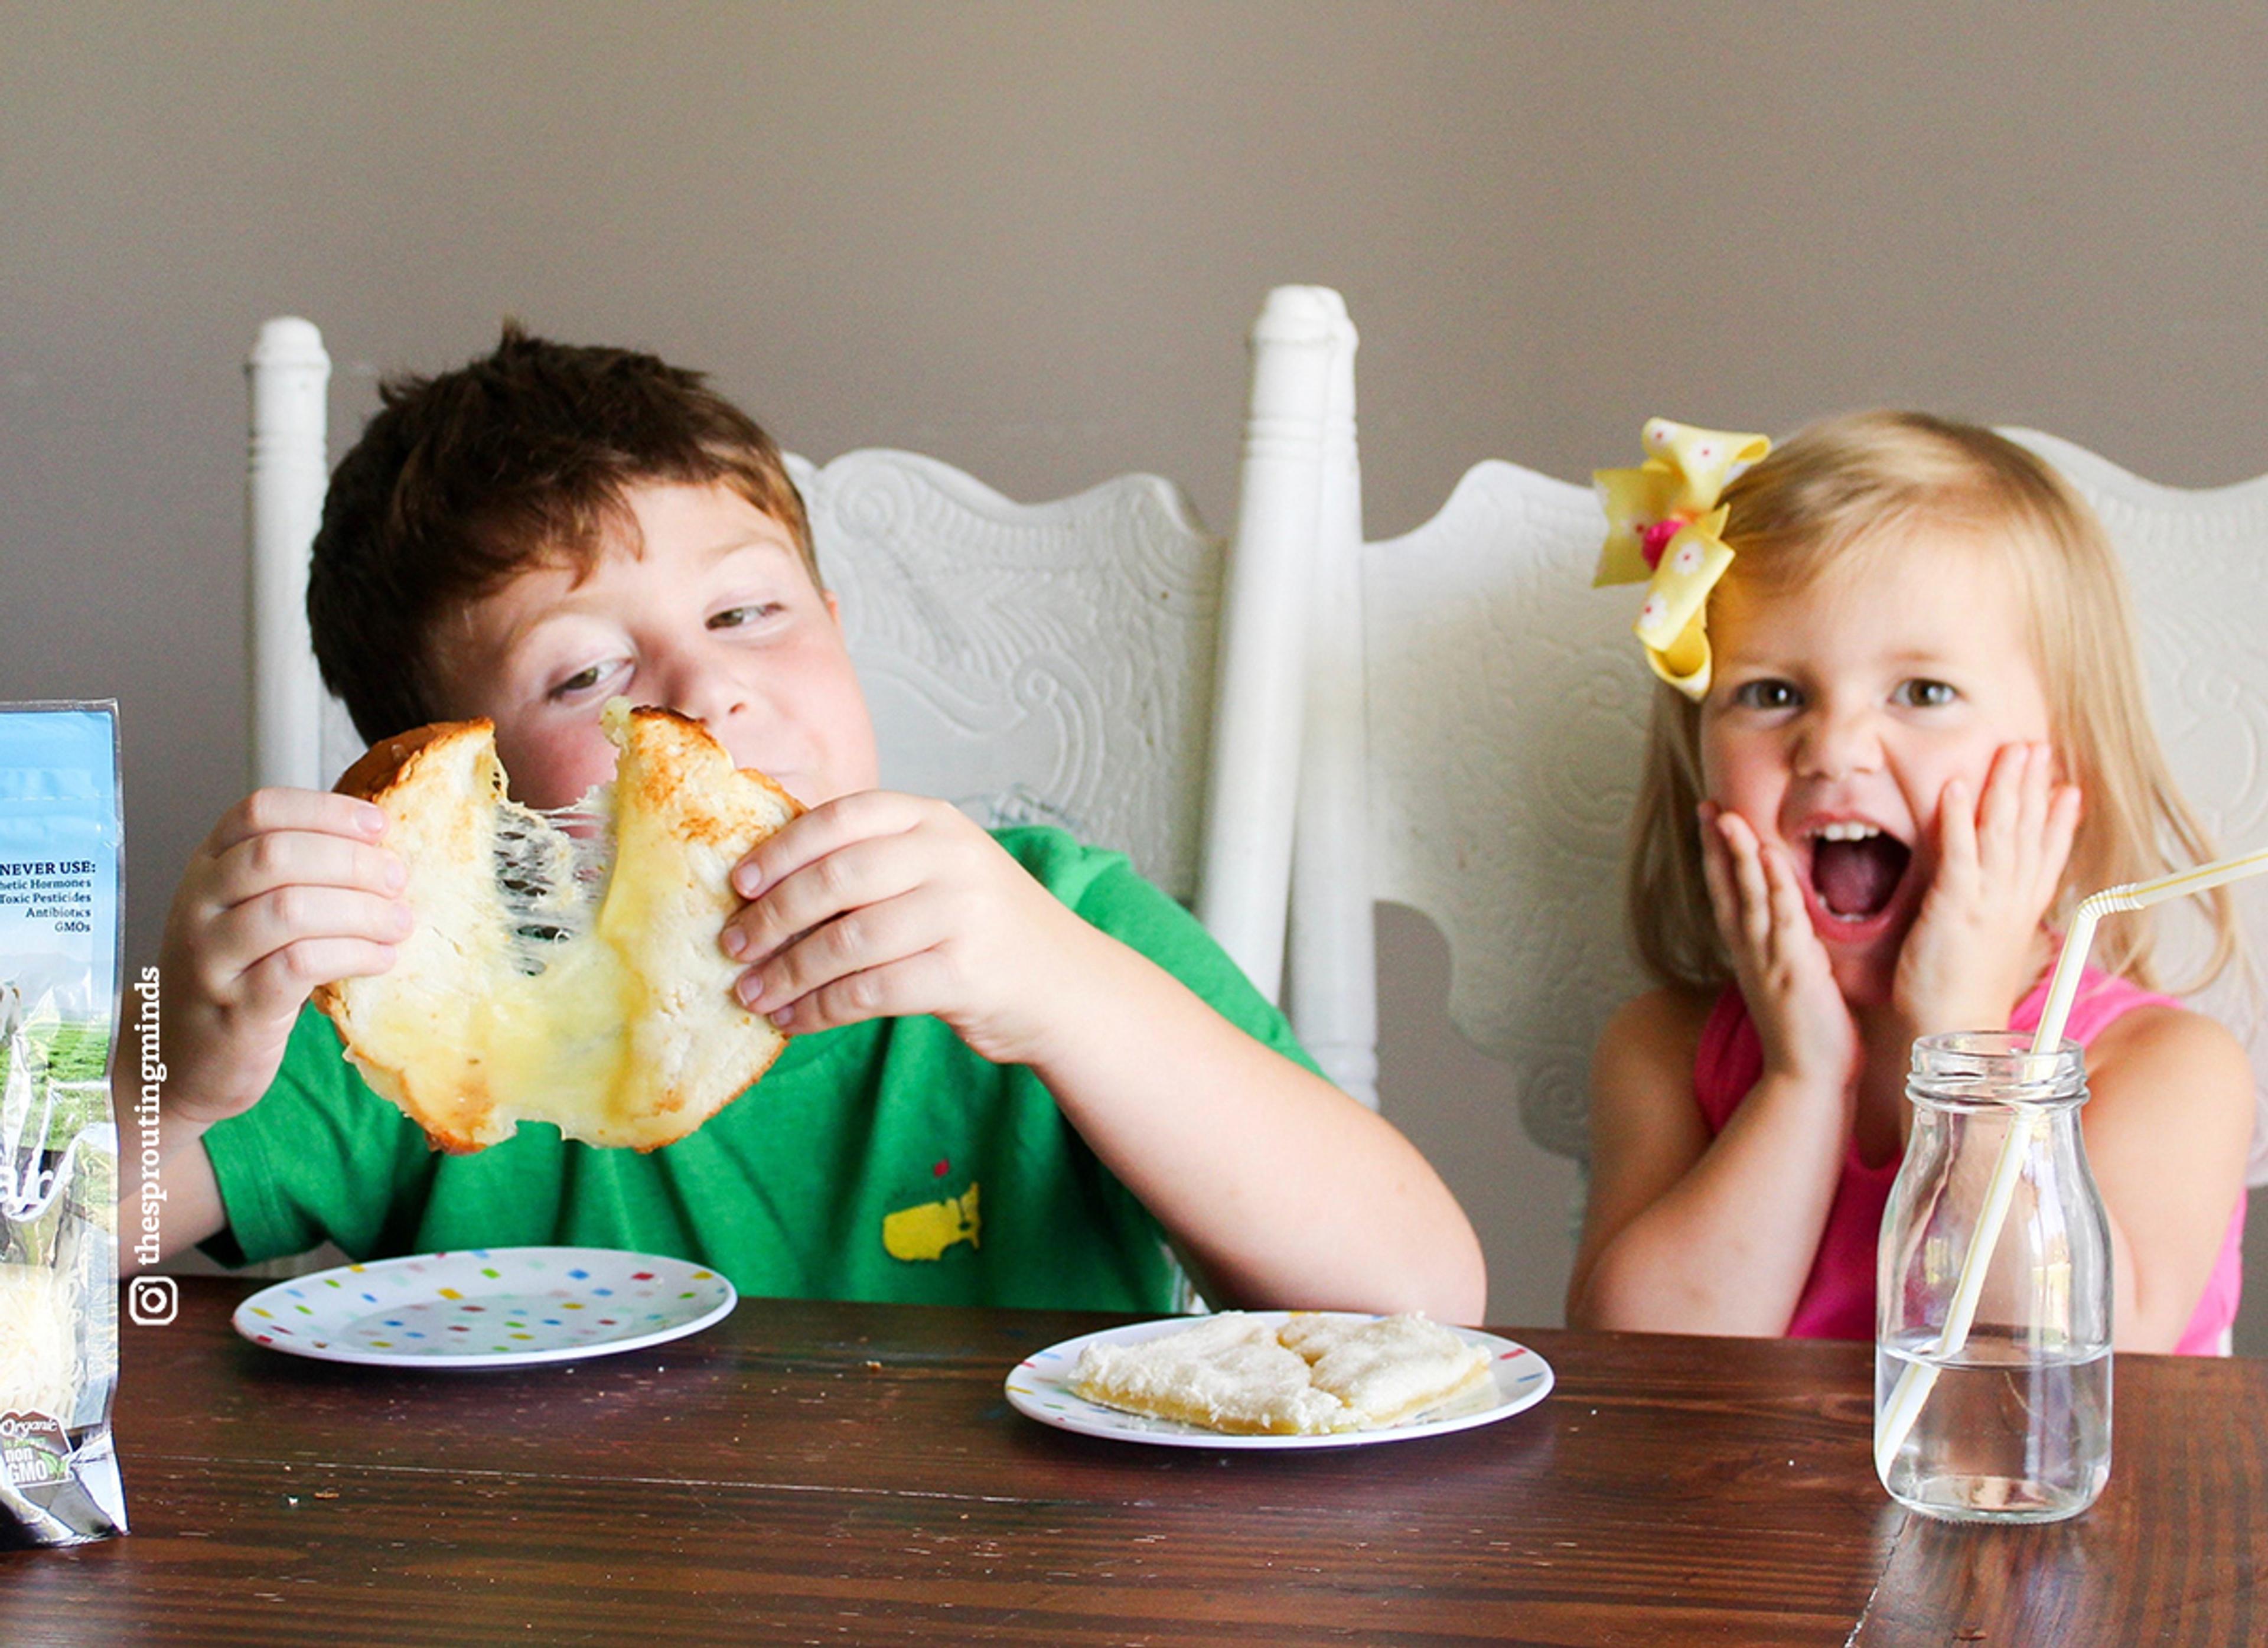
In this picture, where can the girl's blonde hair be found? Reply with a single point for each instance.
(1859, 484)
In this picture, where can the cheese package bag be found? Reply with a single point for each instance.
(61, 831)
(564, 967)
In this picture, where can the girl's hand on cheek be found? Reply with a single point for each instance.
(1971, 953)
(1782, 969)
(879, 905)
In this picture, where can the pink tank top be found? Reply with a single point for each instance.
(1837, 1301)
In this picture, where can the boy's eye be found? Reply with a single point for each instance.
(1926, 695)
(582, 681)
(1767, 695)
(734, 617)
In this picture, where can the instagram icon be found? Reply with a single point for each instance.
(152, 1301)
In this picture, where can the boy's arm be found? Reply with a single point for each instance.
(290, 890)
(1282, 1190)
(192, 1208)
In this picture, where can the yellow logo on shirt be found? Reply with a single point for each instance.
(927, 1231)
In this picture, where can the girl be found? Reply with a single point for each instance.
(1862, 804)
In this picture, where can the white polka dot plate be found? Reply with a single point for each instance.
(1039, 1387)
(487, 1307)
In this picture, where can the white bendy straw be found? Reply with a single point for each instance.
(1916, 1382)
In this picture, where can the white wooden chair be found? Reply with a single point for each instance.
(1102, 661)
(1480, 769)
(1474, 725)
(2198, 561)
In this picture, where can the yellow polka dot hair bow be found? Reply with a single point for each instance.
(1664, 528)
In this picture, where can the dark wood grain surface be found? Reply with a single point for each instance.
(839, 1473)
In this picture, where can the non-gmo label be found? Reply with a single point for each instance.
(33, 1451)
(55, 893)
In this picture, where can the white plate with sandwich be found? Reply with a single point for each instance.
(1279, 1380)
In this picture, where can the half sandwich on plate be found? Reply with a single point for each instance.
(565, 967)
(1313, 1373)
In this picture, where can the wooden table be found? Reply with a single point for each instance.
(841, 1473)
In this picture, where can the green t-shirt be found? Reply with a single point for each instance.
(882, 1160)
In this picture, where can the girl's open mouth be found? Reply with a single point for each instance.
(1856, 868)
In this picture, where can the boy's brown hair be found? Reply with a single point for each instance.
(520, 458)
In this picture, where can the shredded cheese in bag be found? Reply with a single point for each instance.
(60, 832)
(39, 1347)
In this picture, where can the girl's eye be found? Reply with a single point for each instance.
(1926, 695)
(734, 617)
(1767, 695)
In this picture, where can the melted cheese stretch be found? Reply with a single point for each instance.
(39, 1312)
(552, 879)
(552, 1022)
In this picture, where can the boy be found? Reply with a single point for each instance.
(1011, 1030)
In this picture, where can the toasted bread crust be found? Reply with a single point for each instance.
(380, 768)
(681, 744)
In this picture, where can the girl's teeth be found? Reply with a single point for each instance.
(1853, 830)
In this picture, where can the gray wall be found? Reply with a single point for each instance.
(1027, 238)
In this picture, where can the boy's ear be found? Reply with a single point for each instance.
(834, 606)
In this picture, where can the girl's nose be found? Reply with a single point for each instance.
(1836, 741)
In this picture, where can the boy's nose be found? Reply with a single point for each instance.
(706, 695)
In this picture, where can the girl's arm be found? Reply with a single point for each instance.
(1684, 1234)
(2168, 1122)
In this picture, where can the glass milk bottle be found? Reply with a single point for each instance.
(1992, 1394)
